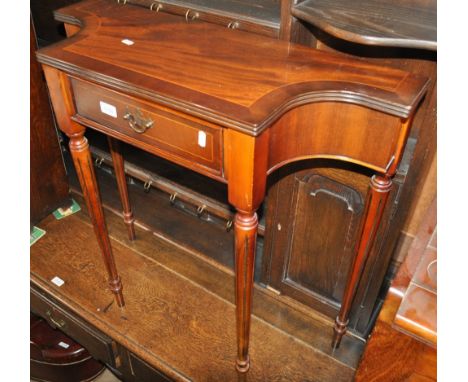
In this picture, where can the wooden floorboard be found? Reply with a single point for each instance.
(176, 324)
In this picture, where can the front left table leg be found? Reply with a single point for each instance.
(81, 155)
(62, 101)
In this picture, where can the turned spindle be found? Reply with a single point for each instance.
(119, 169)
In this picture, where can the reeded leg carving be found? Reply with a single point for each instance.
(245, 231)
(117, 159)
(81, 155)
(379, 190)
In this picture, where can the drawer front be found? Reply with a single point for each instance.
(144, 372)
(99, 345)
(190, 142)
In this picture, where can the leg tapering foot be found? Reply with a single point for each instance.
(116, 288)
(245, 230)
(380, 187)
(243, 366)
(81, 155)
(338, 332)
(119, 169)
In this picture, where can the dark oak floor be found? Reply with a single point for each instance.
(179, 314)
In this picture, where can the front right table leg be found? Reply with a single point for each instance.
(245, 235)
(246, 191)
(380, 187)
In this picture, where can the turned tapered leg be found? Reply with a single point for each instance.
(81, 155)
(245, 231)
(378, 194)
(119, 169)
(246, 190)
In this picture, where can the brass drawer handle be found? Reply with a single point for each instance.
(137, 122)
(58, 323)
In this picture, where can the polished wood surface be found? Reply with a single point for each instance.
(394, 356)
(407, 24)
(340, 131)
(48, 180)
(290, 75)
(243, 100)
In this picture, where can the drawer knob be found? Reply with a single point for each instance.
(137, 122)
(57, 323)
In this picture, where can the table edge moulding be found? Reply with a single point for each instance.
(254, 102)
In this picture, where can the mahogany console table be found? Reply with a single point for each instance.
(231, 105)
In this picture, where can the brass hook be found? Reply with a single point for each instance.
(233, 25)
(98, 162)
(172, 198)
(122, 2)
(157, 8)
(228, 225)
(147, 185)
(200, 210)
(194, 16)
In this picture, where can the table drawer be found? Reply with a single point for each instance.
(190, 142)
(98, 344)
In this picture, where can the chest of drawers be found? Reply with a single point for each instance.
(230, 105)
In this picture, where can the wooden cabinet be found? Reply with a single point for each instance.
(46, 194)
(312, 227)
